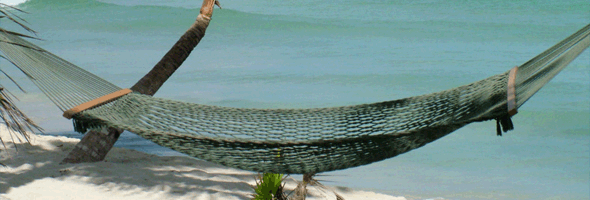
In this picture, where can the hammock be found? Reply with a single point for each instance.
(293, 141)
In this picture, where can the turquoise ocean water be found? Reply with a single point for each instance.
(308, 53)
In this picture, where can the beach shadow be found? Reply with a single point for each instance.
(122, 169)
(128, 171)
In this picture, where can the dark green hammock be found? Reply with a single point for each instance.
(292, 141)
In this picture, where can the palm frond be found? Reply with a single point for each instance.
(16, 121)
(11, 79)
(5, 12)
(18, 34)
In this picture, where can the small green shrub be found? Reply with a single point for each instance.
(269, 187)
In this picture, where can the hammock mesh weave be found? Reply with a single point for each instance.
(294, 141)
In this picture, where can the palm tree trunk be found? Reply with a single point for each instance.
(95, 145)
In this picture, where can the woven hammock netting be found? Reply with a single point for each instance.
(293, 141)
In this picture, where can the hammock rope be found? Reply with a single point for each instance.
(293, 141)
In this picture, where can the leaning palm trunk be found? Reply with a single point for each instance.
(95, 145)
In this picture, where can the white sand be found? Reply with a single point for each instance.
(34, 172)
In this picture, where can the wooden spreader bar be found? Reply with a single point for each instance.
(96, 102)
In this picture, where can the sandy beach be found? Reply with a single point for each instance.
(32, 171)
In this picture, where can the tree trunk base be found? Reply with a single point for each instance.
(94, 146)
